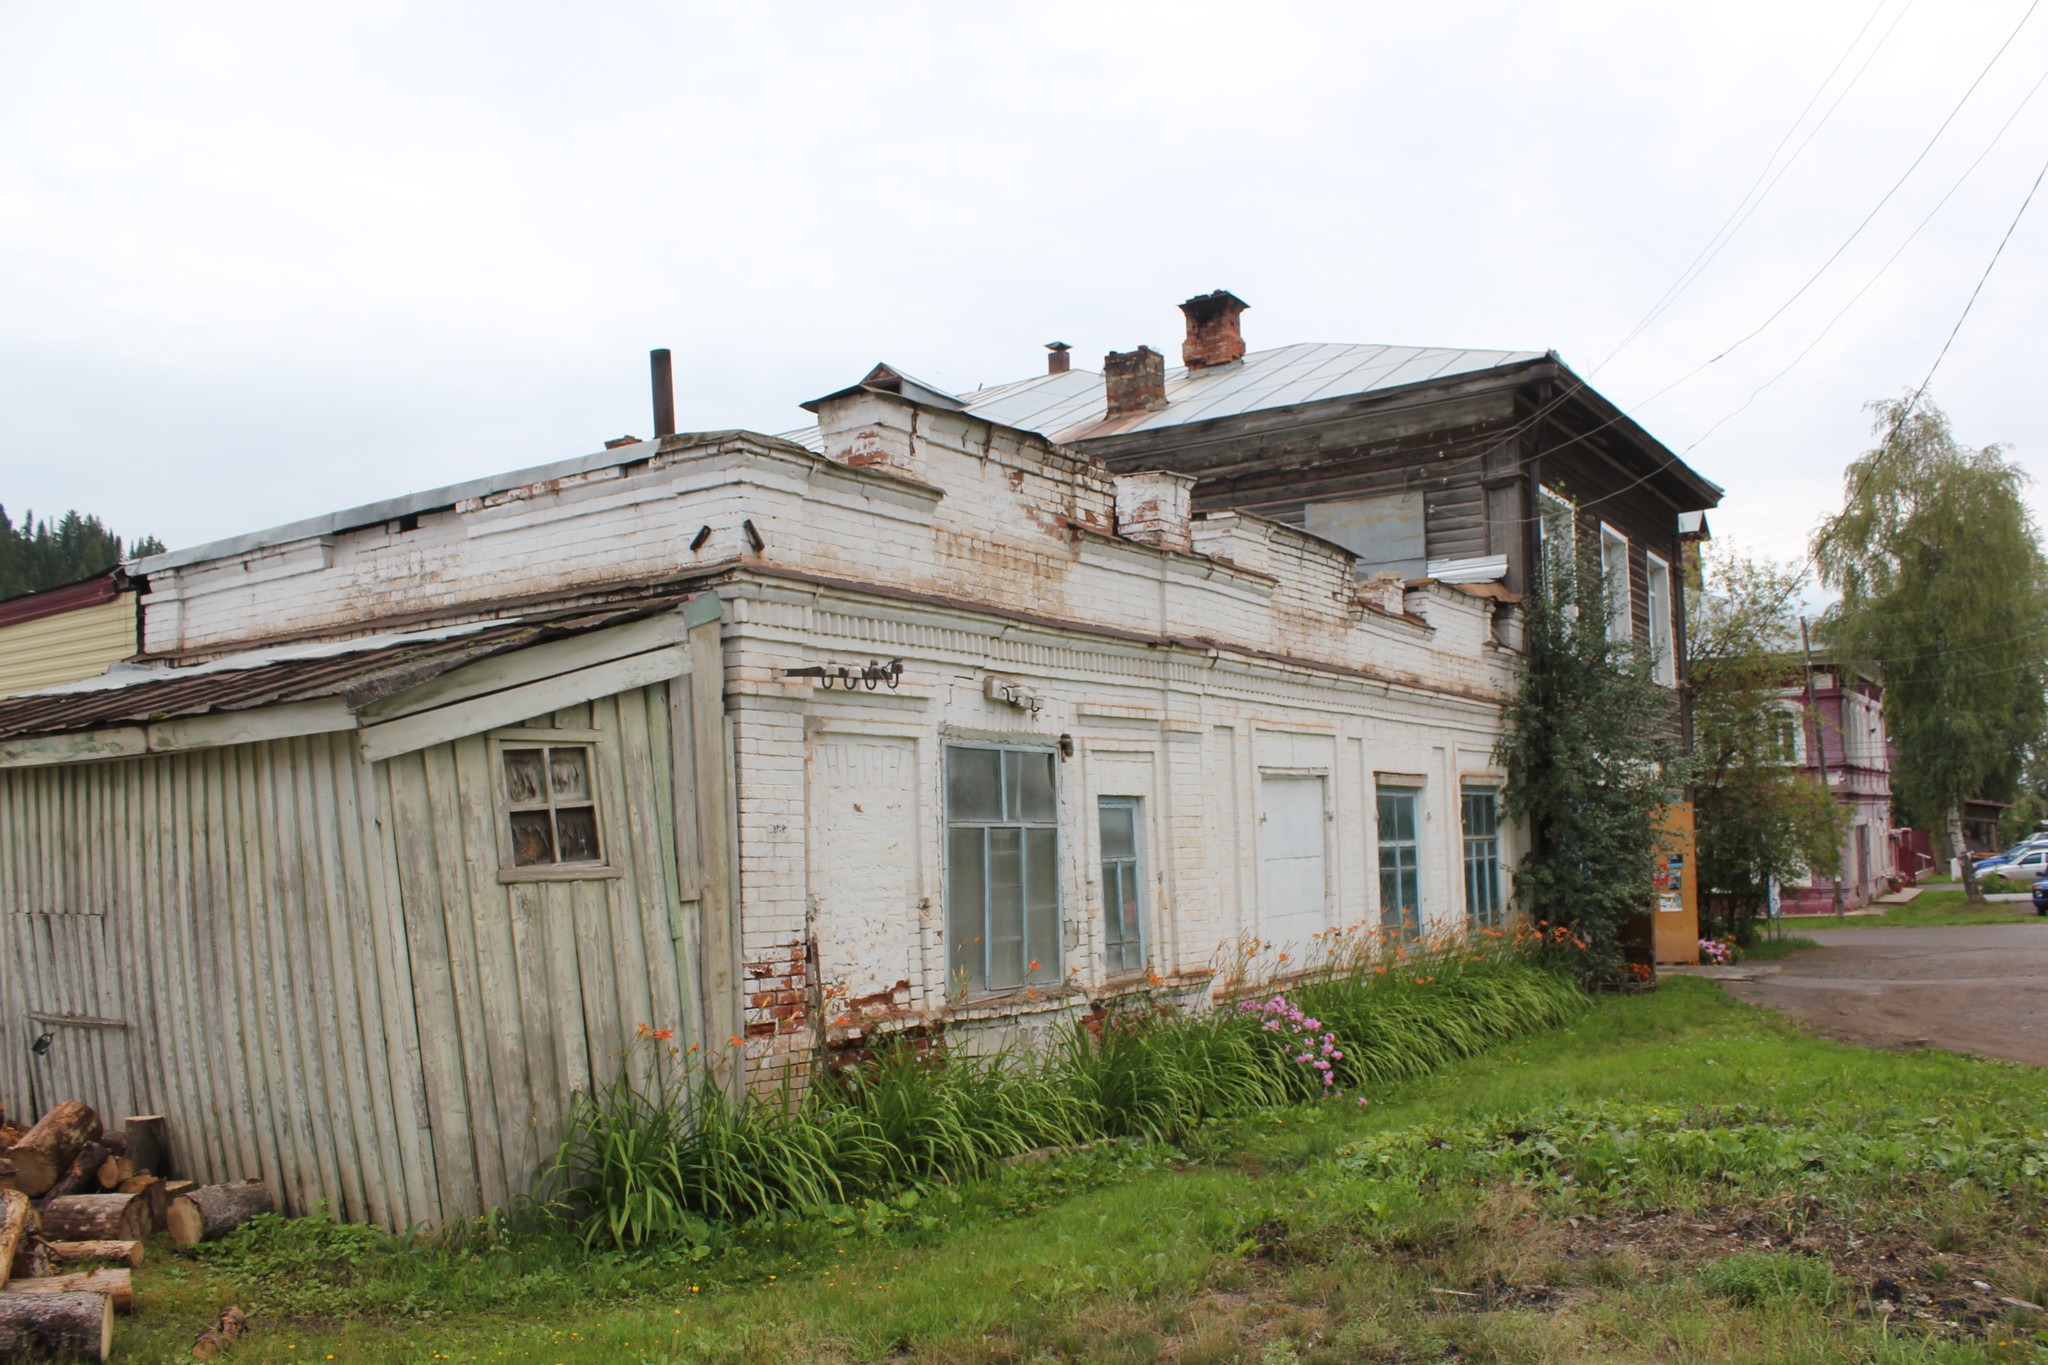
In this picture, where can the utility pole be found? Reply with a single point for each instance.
(1820, 748)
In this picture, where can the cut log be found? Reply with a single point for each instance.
(82, 1253)
(56, 1326)
(33, 1261)
(96, 1218)
(46, 1151)
(174, 1188)
(223, 1208)
(115, 1169)
(183, 1222)
(6, 1174)
(227, 1329)
(83, 1177)
(146, 1146)
(113, 1281)
(17, 1225)
(154, 1196)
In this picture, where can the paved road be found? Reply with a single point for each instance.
(1970, 988)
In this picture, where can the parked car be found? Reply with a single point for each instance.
(2027, 862)
(2028, 855)
(2041, 897)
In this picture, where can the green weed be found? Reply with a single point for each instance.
(1757, 1278)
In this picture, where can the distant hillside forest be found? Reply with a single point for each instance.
(50, 553)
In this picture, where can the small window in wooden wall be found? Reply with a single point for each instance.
(550, 819)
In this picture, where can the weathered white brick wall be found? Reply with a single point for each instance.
(1179, 677)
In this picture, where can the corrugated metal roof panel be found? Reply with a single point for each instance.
(360, 670)
(1065, 406)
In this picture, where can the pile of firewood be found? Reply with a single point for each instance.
(76, 1205)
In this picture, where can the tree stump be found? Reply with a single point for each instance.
(56, 1326)
(47, 1150)
(115, 1282)
(223, 1208)
(79, 1253)
(96, 1218)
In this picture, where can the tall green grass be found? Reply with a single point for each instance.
(671, 1158)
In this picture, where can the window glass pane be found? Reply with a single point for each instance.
(576, 834)
(1036, 801)
(973, 790)
(1400, 869)
(533, 838)
(524, 783)
(1005, 907)
(966, 906)
(569, 774)
(1119, 830)
(1042, 901)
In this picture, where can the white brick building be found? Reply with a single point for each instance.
(936, 723)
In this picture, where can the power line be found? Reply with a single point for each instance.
(1988, 265)
(1744, 207)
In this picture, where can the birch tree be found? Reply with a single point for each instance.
(1944, 587)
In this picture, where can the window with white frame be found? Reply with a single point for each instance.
(1788, 724)
(1400, 853)
(1484, 902)
(1614, 573)
(1555, 521)
(1663, 640)
(1002, 868)
(1123, 928)
(550, 809)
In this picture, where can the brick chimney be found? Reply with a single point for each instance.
(1058, 361)
(1156, 508)
(1136, 381)
(1214, 338)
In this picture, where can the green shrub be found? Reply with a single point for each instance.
(1756, 1278)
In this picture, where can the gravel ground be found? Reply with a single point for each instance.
(1979, 988)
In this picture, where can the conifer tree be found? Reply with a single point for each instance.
(48, 554)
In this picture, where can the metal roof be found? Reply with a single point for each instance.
(1066, 407)
(359, 671)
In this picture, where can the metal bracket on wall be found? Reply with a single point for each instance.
(850, 676)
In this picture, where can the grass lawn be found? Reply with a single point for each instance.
(1674, 1177)
(1936, 905)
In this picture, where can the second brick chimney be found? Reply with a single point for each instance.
(1135, 381)
(1214, 337)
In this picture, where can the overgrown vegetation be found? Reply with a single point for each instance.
(1592, 754)
(1668, 1177)
(43, 553)
(661, 1154)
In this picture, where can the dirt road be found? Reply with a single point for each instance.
(1971, 988)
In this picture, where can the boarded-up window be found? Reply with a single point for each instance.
(1294, 882)
(1385, 531)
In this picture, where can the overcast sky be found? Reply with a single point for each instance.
(260, 261)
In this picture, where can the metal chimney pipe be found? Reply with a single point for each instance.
(664, 393)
